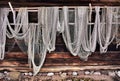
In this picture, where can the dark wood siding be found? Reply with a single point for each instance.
(60, 59)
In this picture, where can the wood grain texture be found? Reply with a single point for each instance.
(33, 3)
(62, 61)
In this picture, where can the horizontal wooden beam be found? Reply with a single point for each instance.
(17, 61)
(78, 68)
(31, 3)
(60, 68)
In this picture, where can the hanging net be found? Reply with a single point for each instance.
(43, 36)
(3, 25)
(80, 38)
(117, 25)
(106, 28)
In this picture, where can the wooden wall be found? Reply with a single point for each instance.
(55, 62)
(60, 59)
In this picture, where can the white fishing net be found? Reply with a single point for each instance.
(20, 23)
(36, 48)
(106, 28)
(39, 38)
(90, 32)
(69, 36)
(80, 38)
(117, 25)
(49, 21)
(43, 36)
(3, 26)
(18, 30)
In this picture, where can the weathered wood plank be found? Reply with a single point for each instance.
(61, 59)
(111, 55)
(60, 62)
(17, 61)
(60, 68)
(32, 3)
(77, 68)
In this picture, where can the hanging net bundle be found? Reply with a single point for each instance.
(106, 28)
(3, 26)
(80, 40)
(117, 25)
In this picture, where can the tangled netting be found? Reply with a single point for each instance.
(80, 39)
